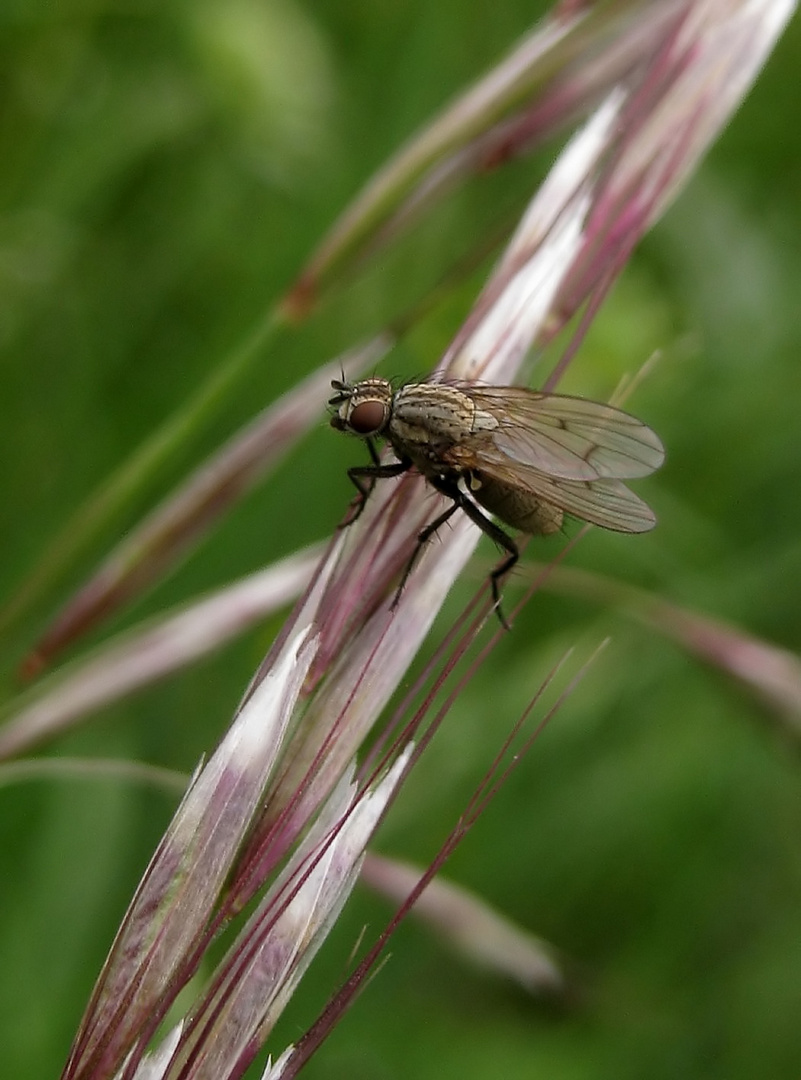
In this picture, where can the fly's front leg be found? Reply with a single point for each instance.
(363, 478)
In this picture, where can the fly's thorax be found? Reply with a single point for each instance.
(428, 418)
(516, 507)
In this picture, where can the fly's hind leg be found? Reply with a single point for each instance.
(500, 572)
(494, 532)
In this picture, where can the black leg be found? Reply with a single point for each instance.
(494, 532)
(461, 502)
(363, 478)
(422, 538)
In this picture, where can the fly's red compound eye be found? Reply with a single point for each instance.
(367, 417)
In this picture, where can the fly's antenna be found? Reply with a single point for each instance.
(343, 391)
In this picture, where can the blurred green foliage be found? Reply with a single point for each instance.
(164, 172)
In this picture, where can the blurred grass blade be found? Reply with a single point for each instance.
(135, 477)
(115, 770)
(470, 926)
(771, 674)
(555, 75)
(768, 672)
(143, 654)
(151, 550)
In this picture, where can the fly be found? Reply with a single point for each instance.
(525, 456)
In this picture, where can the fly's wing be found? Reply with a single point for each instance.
(565, 437)
(607, 503)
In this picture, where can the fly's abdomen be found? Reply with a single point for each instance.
(517, 508)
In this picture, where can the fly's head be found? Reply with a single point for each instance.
(363, 408)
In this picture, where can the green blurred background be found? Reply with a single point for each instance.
(163, 174)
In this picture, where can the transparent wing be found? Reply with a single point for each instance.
(607, 503)
(566, 437)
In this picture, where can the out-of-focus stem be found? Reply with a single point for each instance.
(106, 506)
(770, 673)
